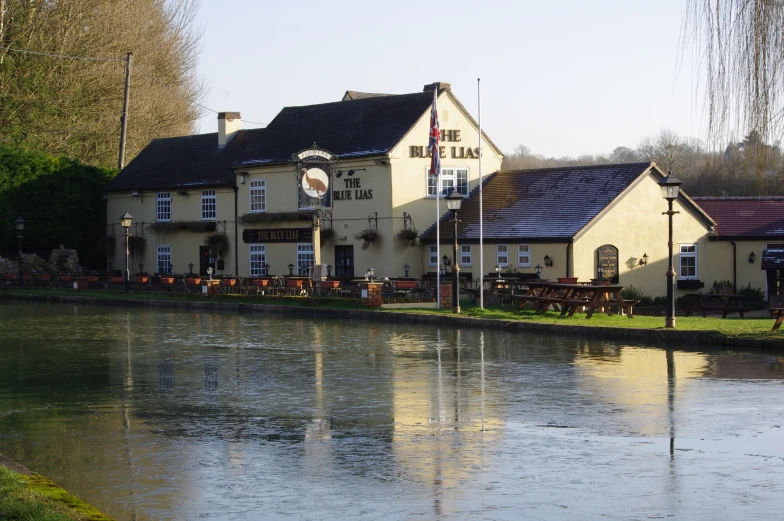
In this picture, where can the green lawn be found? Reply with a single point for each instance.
(733, 326)
(34, 498)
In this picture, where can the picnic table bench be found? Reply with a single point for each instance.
(778, 313)
(715, 302)
(568, 298)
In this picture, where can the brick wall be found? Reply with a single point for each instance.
(373, 299)
(446, 296)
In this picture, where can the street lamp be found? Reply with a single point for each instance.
(669, 188)
(329, 270)
(209, 272)
(453, 201)
(19, 223)
(538, 270)
(371, 273)
(125, 222)
(406, 267)
(291, 269)
(190, 267)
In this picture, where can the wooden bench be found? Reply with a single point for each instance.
(778, 313)
(705, 302)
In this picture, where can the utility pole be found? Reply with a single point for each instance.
(124, 118)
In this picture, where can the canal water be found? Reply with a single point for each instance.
(158, 414)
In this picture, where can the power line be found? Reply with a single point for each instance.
(63, 56)
(162, 84)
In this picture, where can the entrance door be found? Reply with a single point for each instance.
(344, 261)
(205, 260)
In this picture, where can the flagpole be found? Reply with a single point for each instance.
(435, 170)
(481, 231)
(438, 244)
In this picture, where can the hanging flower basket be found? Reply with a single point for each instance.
(218, 244)
(408, 236)
(136, 245)
(326, 234)
(369, 235)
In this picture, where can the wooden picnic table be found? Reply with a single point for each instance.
(778, 313)
(567, 298)
(704, 302)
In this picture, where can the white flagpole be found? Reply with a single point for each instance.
(481, 231)
(438, 243)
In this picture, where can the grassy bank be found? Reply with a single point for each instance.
(35, 498)
(731, 327)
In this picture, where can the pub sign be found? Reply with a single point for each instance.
(264, 235)
(314, 168)
(607, 259)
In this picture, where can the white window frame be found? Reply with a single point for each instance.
(209, 205)
(465, 255)
(258, 260)
(687, 255)
(163, 207)
(305, 258)
(163, 257)
(502, 252)
(450, 174)
(432, 254)
(258, 195)
(524, 252)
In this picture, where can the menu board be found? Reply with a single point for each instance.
(607, 259)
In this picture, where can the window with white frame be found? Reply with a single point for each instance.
(688, 261)
(524, 255)
(305, 259)
(502, 255)
(258, 259)
(258, 195)
(208, 205)
(432, 257)
(465, 254)
(450, 178)
(163, 207)
(164, 258)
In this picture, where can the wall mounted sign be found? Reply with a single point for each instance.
(265, 235)
(607, 258)
(455, 152)
(313, 169)
(353, 190)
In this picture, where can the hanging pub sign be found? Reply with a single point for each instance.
(313, 168)
(264, 235)
(607, 258)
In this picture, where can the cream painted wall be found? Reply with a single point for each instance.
(747, 273)
(409, 175)
(635, 225)
(184, 245)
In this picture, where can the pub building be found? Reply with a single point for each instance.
(339, 188)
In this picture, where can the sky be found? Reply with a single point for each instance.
(563, 78)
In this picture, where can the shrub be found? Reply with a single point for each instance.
(750, 293)
(218, 244)
(368, 235)
(721, 287)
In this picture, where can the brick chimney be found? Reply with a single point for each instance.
(440, 85)
(228, 124)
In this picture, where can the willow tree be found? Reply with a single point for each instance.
(72, 107)
(740, 50)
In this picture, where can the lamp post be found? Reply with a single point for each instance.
(19, 223)
(406, 267)
(190, 267)
(125, 222)
(453, 202)
(538, 270)
(371, 273)
(329, 270)
(291, 269)
(209, 272)
(670, 187)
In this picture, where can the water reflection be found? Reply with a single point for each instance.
(168, 415)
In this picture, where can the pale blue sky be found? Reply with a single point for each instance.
(564, 78)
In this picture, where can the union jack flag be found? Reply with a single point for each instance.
(435, 135)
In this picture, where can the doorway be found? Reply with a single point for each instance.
(344, 262)
(205, 260)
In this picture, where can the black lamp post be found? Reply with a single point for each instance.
(291, 269)
(442, 269)
(670, 187)
(453, 201)
(141, 268)
(538, 270)
(190, 267)
(19, 223)
(329, 270)
(406, 267)
(125, 222)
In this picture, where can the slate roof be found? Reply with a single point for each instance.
(354, 94)
(551, 204)
(745, 217)
(353, 128)
(183, 162)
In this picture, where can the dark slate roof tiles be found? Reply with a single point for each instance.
(544, 204)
